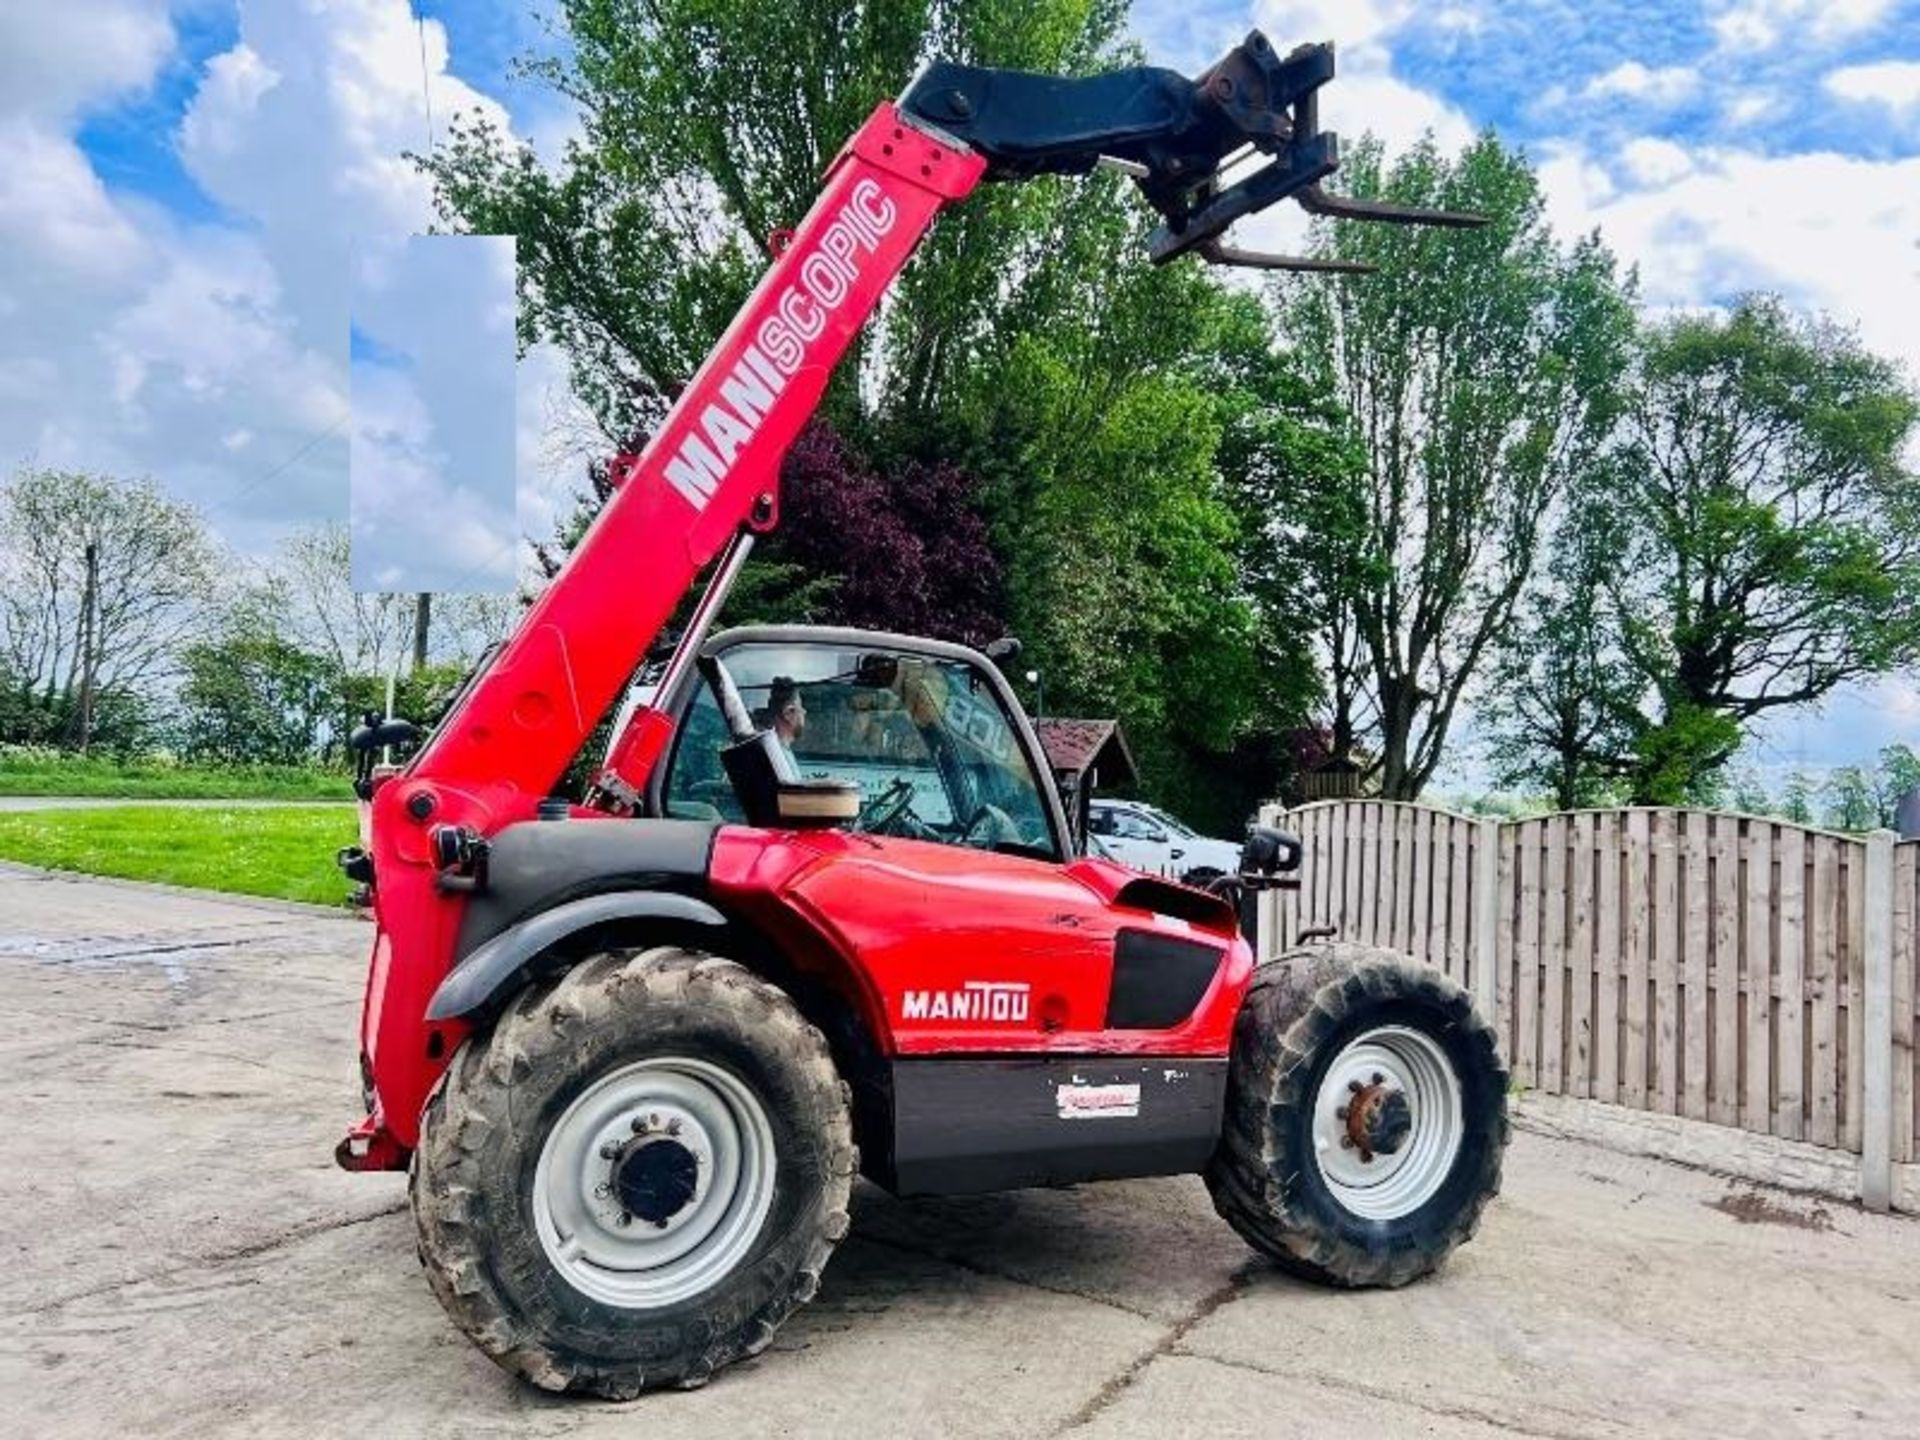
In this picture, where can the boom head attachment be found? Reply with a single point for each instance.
(1176, 137)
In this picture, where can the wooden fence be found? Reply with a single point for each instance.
(1727, 968)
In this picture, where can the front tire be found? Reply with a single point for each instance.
(1366, 1117)
(637, 1176)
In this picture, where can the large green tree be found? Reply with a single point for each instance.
(1560, 703)
(1767, 531)
(1480, 370)
(705, 128)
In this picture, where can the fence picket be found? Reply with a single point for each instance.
(1506, 919)
(1663, 1028)
(1823, 994)
(1580, 962)
(1789, 1106)
(1639, 904)
(1553, 959)
(1756, 951)
(1422, 883)
(1695, 960)
(1606, 964)
(1723, 984)
(1526, 993)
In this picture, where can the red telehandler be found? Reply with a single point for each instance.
(821, 912)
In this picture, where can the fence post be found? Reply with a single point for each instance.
(1876, 1061)
(1266, 925)
(1486, 921)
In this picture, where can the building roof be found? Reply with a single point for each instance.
(1076, 746)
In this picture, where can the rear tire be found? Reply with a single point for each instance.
(667, 1086)
(1366, 1117)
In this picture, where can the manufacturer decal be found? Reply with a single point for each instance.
(1003, 1002)
(1080, 1101)
(712, 439)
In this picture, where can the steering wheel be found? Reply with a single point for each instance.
(1005, 831)
(889, 807)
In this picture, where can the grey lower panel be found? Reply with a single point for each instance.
(963, 1126)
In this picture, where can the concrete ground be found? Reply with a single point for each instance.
(181, 1258)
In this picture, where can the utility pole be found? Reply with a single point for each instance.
(422, 617)
(89, 608)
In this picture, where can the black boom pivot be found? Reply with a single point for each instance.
(1175, 136)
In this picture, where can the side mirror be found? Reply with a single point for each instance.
(1007, 647)
(1270, 860)
(1158, 837)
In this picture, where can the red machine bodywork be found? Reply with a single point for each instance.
(894, 914)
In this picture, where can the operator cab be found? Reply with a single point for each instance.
(929, 734)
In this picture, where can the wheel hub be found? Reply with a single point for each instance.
(655, 1177)
(1379, 1119)
(1388, 1122)
(654, 1182)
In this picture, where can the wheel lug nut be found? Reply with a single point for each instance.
(1355, 1086)
(1341, 1113)
(609, 1150)
(600, 1192)
(639, 1125)
(673, 1127)
(660, 1224)
(624, 1220)
(1378, 1077)
(1346, 1142)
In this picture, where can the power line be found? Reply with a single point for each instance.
(426, 92)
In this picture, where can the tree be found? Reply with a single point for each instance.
(255, 699)
(1768, 533)
(1851, 803)
(705, 127)
(1559, 701)
(306, 598)
(1747, 793)
(1897, 776)
(101, 583)
(1480, 369)
(1797, 803)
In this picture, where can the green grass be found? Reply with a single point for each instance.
(286, 852)
(48, 772)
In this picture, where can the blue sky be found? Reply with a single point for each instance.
(188, 183)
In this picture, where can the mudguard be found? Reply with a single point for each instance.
(472, 985)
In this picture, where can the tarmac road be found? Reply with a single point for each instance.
(183, 1259)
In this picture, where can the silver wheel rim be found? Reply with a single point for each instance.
(640, 1264)
(1391, 1059)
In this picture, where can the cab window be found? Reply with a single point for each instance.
(935, 755)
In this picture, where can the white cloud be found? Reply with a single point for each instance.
(1667, 85)
(1751, 25)
(58, 56)
(1892, 84)
(210, 356)
(1830, 232)
(1655, 162)
(434, 442)
(1366, 97)
(55, 213)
